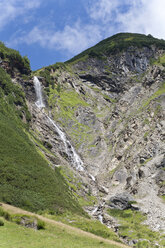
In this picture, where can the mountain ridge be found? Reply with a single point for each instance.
(119, 42)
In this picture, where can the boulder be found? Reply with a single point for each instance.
(121, 201)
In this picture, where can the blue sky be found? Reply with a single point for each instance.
(56, 30)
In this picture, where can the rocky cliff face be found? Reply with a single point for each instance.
(112, 109)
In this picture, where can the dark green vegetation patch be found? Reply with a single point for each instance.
(26, 180)
(15, 59)
(12, 97)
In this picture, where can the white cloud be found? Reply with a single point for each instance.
(77, 38)
(103, 10)
(105, 17)
(10, 9)
(140, 16)
(145, 17)
(107, 10)
(72, 39)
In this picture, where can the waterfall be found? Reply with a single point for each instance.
(38, 91)
(70, 151)
(75, 159)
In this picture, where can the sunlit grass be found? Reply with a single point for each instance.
(15, 236)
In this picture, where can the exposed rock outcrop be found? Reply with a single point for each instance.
(121, 201)
(116, 124)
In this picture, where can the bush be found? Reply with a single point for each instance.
(1, 211)
(1, 223)
(40, 224)
(16, 219)
(26, 63)
(5, 214)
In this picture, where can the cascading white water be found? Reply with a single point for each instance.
(75, 159)
(70, 151)
(92, 177)
(94, 211)
(38, 91)
(100, 217)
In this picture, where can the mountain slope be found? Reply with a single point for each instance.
(26, 180)
(111, 103)
(118, 43)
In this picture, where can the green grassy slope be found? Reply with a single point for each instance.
(26, 180)
(16, 236)
(89, 225)
(54, 234)
(117, 43)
